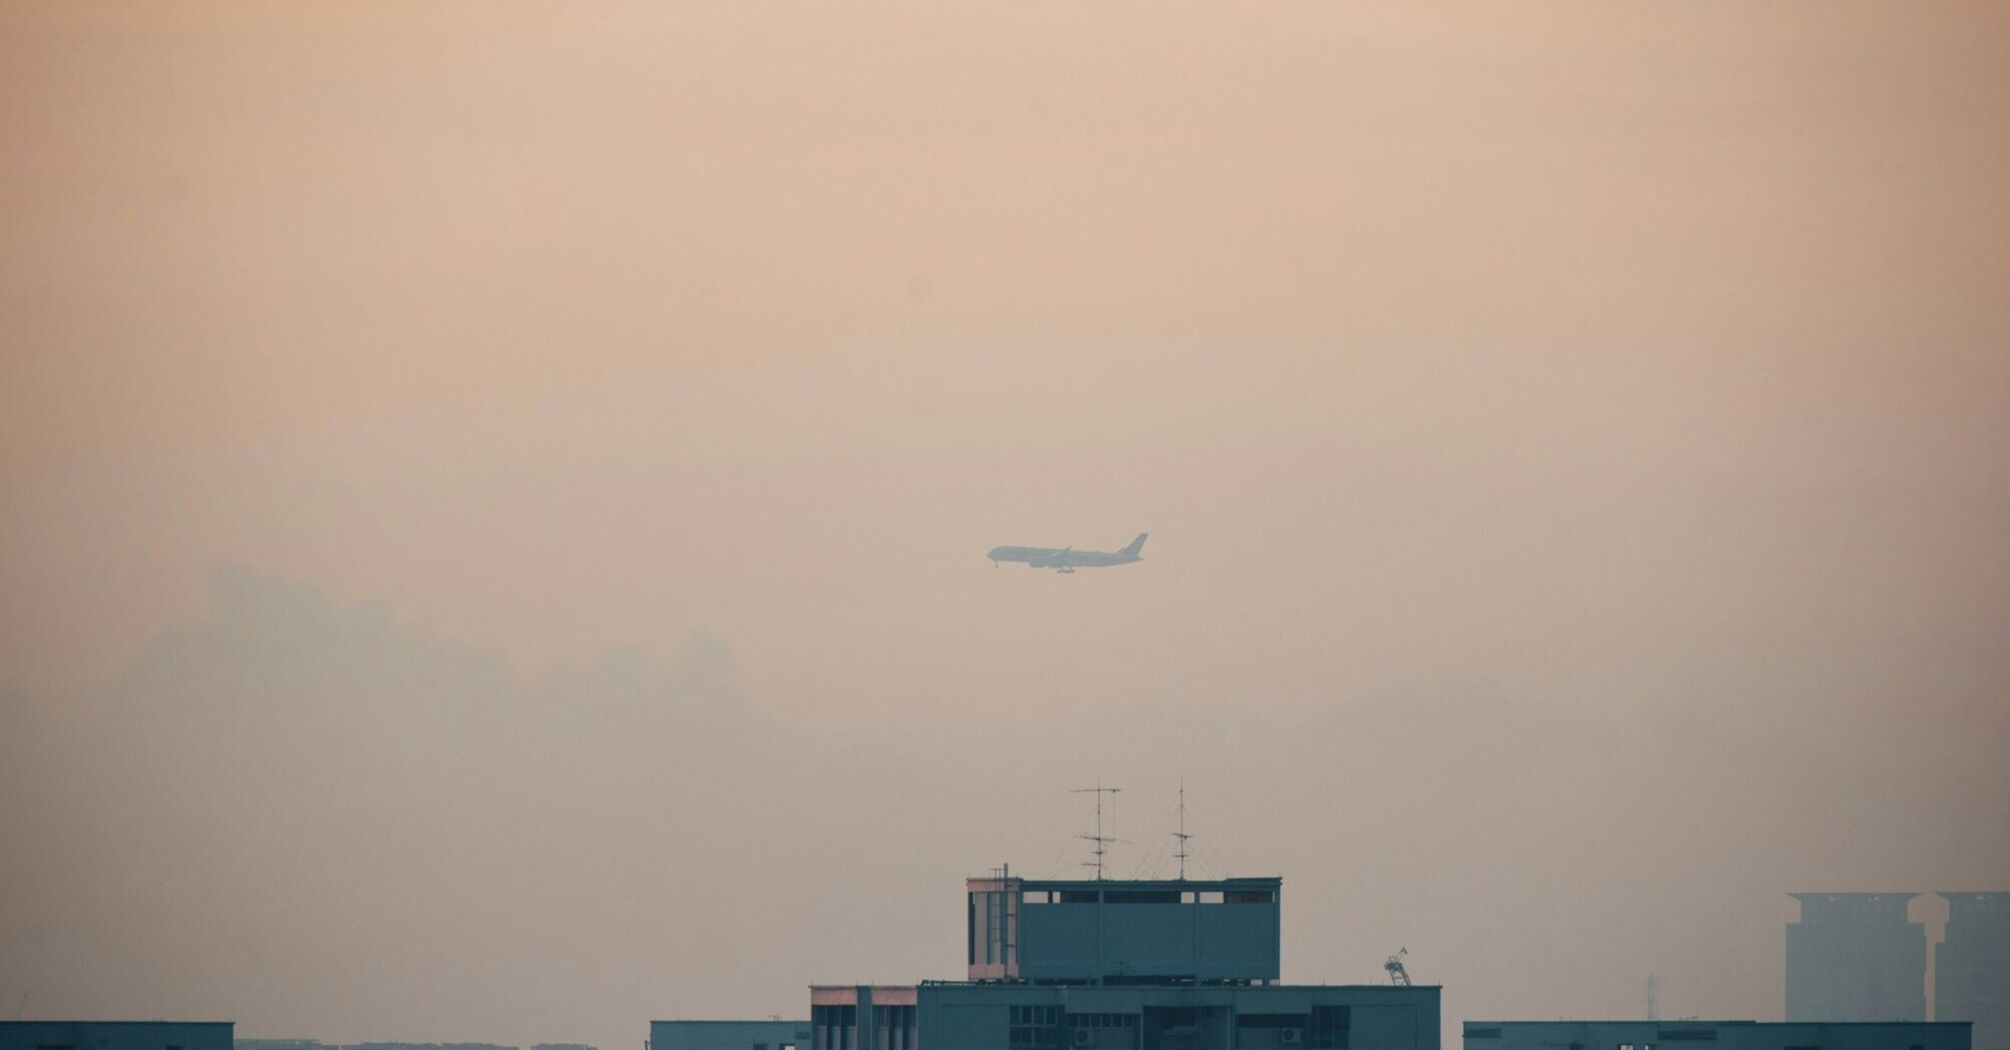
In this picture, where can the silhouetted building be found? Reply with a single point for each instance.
(1123, 965)
(958, 1015)
(1855, 957)
(729, 1035)
(1715, 1035)
(1971, 967)
(1121, 932)
(116, 1035)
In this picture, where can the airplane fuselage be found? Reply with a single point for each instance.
(1067, 559)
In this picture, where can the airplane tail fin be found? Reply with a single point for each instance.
(1136, 545)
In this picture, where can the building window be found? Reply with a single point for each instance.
(895, 1027)
(1331, 1028)
(1270, 1020)
(1103, 1031)
(1035, 1027)
(834, 1027)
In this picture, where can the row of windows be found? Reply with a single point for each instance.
(1036, 1015)
(1149, 896)
(1271, 1020)
(894, 1026)
(1103, 1020)
(1035, 1037)
(836, 1028)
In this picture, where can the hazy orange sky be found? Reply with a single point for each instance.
(493, 497)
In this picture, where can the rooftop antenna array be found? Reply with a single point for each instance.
(1102, 841)
(1181, 834)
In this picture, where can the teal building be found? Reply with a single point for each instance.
(116, 1035)
(1112, 964)
(1717, 1035)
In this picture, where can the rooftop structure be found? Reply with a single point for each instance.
(1109, 931)
(1109, 964)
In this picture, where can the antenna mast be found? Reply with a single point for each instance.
(1101, 840)
(1399, 975)
(1181, 834)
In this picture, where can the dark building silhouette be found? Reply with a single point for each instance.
(116, 1035)
(1855, 957)
(729, 1035)
(1715, 1035)
(1971, 967)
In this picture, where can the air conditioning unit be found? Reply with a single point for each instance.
(1085, 1037)
(1290, 1036)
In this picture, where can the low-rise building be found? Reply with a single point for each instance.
(1717, 1035)
(116, 1035)
(729, 1035)
(959, 1015)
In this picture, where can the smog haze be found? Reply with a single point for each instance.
(494, 497)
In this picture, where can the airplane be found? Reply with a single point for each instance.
(1067, 558)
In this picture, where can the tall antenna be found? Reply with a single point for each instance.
(1181, 834)
(1101, 841)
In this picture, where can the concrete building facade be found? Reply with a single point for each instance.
(116, 1035)
(1715, 1035)
(1856, 957)
(1971, 967)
